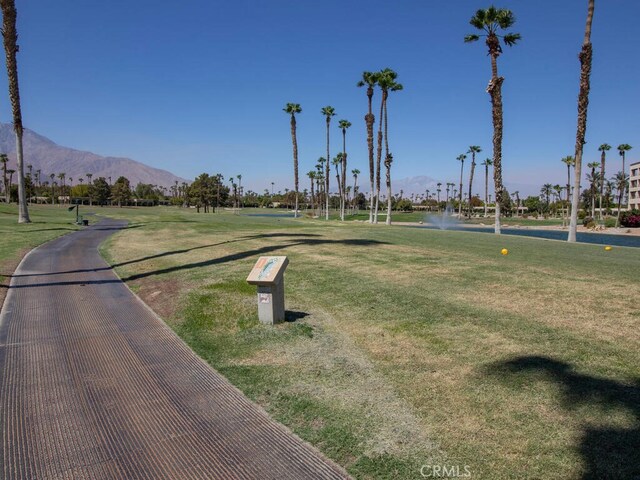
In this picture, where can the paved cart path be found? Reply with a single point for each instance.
(95, 385)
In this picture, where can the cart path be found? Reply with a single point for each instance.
(95, 385)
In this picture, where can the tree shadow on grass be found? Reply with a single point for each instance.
(251, 253)
(607, 452)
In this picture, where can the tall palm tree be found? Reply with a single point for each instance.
(387, 82)
(461, 158)
(622, 150)
(312, 176)
(594, 179)
(604, 148)
(355, 172)
(53, 191)
(62, 176)
(292, 109)
(89, 176)
(344, 124)
(328, 112)
(546, 191)
(10, 38)
(569, 161)
(370, 79)
(473, 149)
(585, 56)
(490, 21)
(620, 182)
(337, 162)
(488, 162)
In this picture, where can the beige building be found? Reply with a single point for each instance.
(634, 186)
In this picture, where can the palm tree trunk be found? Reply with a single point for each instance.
(370, 119)
(486, 188)
(388, 221)
(460, 194)
(495, 90)
(622, 190)
(583, 103)
(602, 162)
(473, 167)
(379, 157)
(10, 37)
(327, 177)
(295, 162)
(344, 174)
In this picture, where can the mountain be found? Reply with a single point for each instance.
(48, 157)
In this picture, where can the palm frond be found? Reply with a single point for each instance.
(471, 38)
(510, 39)
(505, 18)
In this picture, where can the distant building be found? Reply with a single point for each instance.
(634, 186)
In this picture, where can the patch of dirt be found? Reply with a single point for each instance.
(160, 295)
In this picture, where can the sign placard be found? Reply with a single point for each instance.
(267, 270)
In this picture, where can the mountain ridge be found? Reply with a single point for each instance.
(49, 157)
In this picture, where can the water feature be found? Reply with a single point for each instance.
(582, 237)
(445, 220)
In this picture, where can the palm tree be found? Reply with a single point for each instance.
(387, 82)
(370, 79)
(490, 21)
(10, 37)
(516, 194)
(312, 176)
(62, 176)
(53, 191)
(337, 162)
(604, 148)
(486, 164)
(583, 103)
(473, 149)
(89, 175)
(355, 172)
(622, 150)
(546, 191)
(292, 109)
(239, 177)
(569, 161)
(344, 124)
(593, 178)
(620, 181)
(461, 159)
(328, 112)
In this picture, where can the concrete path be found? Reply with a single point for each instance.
(95, 385)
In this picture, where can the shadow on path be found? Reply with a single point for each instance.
(607, 452)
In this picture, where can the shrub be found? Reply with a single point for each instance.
(610, 222)
(589, 222)
(630, 219)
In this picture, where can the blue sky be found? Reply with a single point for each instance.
(200, 85)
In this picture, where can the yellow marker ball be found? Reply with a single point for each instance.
(504, 251)
(607, 248)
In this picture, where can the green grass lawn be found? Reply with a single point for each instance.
(47, 222)
(409, 347)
